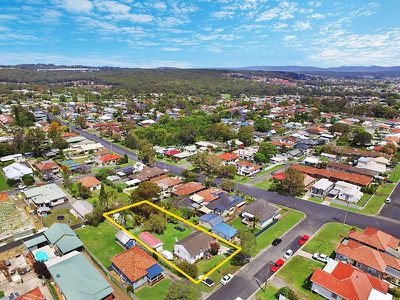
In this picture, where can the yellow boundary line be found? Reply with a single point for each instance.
(194, 280)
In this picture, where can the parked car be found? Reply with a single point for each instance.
(320, 257)
(276, 242)
(207, 281)
(179, 228)
(226, 279)
(388, 200)
(277, 265)
(288, 254)
(303, 239)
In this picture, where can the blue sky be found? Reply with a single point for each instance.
(208, 33)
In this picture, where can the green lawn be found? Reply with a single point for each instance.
(226, 268)
(155, 292)
(279, 229)
(69, 218)
(264, 185)
(328, 238)
(395, 176)
(171, 235)
(296, 272)
(364, 199)
(101, 242)
(384, 190)
(273, 169)
(241, 179)
(372, 208)
(316, 199)
(207, 264)
(268, 293)
(3, 183)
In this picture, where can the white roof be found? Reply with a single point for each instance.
(15, 171)
(89, 147)
(132, 182)
(183, 154)
(312, 160)
(45, 193)
(82, 207)
(323, 184)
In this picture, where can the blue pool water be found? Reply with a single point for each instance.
(41, 256)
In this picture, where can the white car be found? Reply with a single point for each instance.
(321, 257)
(226, 279)
(288, 254)
(388, 200)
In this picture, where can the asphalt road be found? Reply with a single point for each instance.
(392, 210)
(244, 284)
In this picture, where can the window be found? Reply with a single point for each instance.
(334, 296)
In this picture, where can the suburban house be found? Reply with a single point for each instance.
(76, 278)
(46, 196)
(124, 239)
(338, 280)
(137, 268)
(260, 212)
(16, 171)
(90, 182)
(63, 239)
(193, 247)
(224, 230)
(152, 241)
(247, 168)
(369, 260)
(210, 220)
(226, 205)
(48, 169)
(107, 159)
(229, 158)
(377, 240)
(35, 294)
(347, 192)
(375, 164)
(321, 188)
(207, 195)
(188, 188)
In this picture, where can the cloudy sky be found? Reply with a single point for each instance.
(203, 33)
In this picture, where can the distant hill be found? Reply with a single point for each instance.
(311, 69)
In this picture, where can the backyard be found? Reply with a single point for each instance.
(327, 238)
(171, 235)
(296, 274)
(62, 215)
(3, 183)
(100, 241)
(158, 291)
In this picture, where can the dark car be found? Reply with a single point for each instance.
(276, 242)
(179, 228)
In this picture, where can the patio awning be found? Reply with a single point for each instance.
(154, 271)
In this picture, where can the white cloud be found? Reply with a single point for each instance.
(160, 5)
(269, 15)
(289, 38)
(279, 26)
(284, 11)
(301, 26)
(77, 6)
(317, 16)
(141, 18)
(171, 49)
(112, 7)
(50, 16)
(315, 3)
(223, 14)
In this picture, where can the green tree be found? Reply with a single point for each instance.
(293, 184)
(131, 141)
(34, 140)
(268, 150)
(206, 163)
(146, 190)
(248, 242)
(227, 171)
(147, 154)
(182, 290)
(84, 192)
(288, 293)
(245, 135)
(103, 197)
(80, 121)
(361, 138)
(155, 223)
(262, 124)
(228, 185)
(188, 268)
(260, 158)
(219, 132)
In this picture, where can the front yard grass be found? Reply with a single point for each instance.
(51, 218)
(395, 176)
(316, 199)
(206, 265)
(155, 292)
(296, 274)
(328, 238)
(264, 185)
(269, 293)
(100, 241)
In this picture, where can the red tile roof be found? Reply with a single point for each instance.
(46, 165)
(188, 188)
(368, 256)
(110, 157)
(357, 179)
(34, 294)
(4, 197)
(150, 239)
(279, 176)
(210, 194)
(89, 181)
(134, 263)
(228, 156)
(349, 282)
(169, 181)
(172, 152)
(375, 238)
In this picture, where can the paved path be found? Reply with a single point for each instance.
(305, 254)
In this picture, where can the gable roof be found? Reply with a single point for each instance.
(261, 209)
(46, 165)
(224, 230)
(63, 237)
(196, 243)
(77, 278)
(368, 256)
(188, 188)
(349, 282)
(134, 263)
(45, 193)
(150, 239)
(34, 294)
(89, 181)
(375, 238)
(211, 218)
(228, 156)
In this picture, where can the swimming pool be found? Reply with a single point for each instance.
(41, 256)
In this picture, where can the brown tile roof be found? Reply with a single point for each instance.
(197, 242)
(188, 188)
(357, 179)
(46, 165)
(148, 173)
(349, 282)
(210, 194)
(375, 238)
(110, 157)
(168, 181)
(368, 256)
(89, 181)
(134, 263)
(350, 169)
(359, 152)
